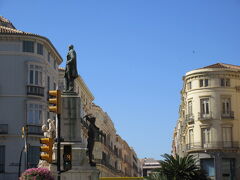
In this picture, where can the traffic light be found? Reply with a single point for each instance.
(46, 150)
(67, 157)
(55, 100)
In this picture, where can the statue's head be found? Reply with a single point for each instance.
(44, 128)
(70, 47)
(92, 120)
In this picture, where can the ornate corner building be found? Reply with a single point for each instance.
(29, 68)
(209, 120)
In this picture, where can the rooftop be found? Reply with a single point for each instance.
(6, 23)
(215, 67)
(221, 65)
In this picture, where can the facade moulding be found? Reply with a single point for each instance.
(224, 74)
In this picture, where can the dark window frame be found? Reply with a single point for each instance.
(28, 46)
(2, 158)
(40, 48)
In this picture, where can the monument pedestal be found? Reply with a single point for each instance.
(71, 133)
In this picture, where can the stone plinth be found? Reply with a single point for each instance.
(81, 170)
(71, 117)
(84, 174)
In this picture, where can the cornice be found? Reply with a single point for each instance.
(210, 89)
(213, 74)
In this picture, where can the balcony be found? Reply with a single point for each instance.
(212, 145)
(227, 115)
(205, 116)
(35, 90)
(190, 118)
(106, 163)
(35, 130)
(3, 128)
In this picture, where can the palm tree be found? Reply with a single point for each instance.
(156, 176)
(178, 168)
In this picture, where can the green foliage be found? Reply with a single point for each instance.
(156, 176)
(178, 168)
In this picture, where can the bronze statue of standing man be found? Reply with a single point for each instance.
(71, 69)
(93, 132)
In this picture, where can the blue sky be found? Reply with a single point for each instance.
(132, 54)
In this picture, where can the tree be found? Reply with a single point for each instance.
(178, 168)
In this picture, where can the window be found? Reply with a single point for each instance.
(191, 137)
(54, 86)
(189, 85)
(48, 83)
(226, 108)
(55, 64)
(2, 159)
(190, 107)
(34, 114)
(208, 166)
(225, 82)
(205, 137)
(28, 46)
(35, 75)
(228, 168)
(48, 57)
(204, 106)
(227, 136)
(33, 156)
(203, 82)
(39, 48)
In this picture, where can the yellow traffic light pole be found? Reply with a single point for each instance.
(56, 108)
(46, 149)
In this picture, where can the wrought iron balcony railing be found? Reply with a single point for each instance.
(35, 90)
(227, 115)
(205, 116)
(190, 118)
(107, 164)
(3, 128)
(35, 130)
(213, 145)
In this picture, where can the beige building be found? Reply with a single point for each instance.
(149, 165)
(209, 120)
(113, 155)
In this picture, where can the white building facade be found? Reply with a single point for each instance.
(209, 122)
(29, 68)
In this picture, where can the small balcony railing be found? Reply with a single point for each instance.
(35, 130)
(3, 128)
(190, 118)
(227, 115)
(205, 116)
(213, 145)
(35, 90)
